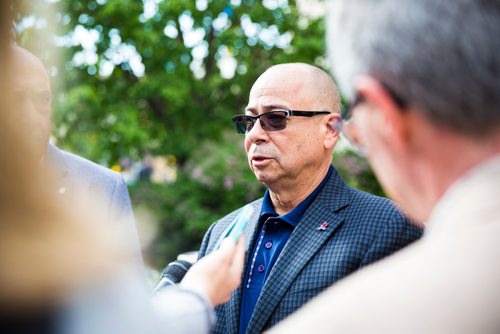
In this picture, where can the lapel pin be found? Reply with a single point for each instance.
(323, 226)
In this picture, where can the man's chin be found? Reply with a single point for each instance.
(264, 178)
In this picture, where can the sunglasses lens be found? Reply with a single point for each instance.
(243, 124)
(273, 121)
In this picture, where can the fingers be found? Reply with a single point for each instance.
(235, 268)
(227, 246)
(219, 273)
(239, 257)
(230, 251)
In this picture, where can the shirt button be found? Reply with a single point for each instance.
(268, 244)
(261, 268)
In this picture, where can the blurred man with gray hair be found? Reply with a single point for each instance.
(424, 81)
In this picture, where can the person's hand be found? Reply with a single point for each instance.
(219, 273)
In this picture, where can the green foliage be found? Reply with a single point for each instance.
(152, 82)
(215, 182)
(356, 172)
(181, 98)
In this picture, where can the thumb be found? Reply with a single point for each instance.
(227, 250)
(239, 256)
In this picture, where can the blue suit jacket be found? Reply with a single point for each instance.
(78, 174)
(362, 228)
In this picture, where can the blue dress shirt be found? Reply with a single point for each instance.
(273, 235)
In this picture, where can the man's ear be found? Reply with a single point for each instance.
(392, 117)
(333, 125)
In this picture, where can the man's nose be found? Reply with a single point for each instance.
(257, 133)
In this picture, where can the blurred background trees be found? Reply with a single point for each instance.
(162, 78)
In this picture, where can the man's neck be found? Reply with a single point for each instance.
(447, 165)
(285, 199)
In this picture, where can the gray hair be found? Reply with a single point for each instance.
(441, 57)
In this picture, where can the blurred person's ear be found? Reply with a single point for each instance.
(388, 115)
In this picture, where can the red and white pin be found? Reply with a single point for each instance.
(323, 226)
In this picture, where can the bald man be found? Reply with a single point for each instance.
(310, 229)
(31, 88)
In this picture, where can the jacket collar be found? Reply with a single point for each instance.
(475, 193)
(54, 159)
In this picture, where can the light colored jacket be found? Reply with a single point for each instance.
(78, 174)
(447, 282)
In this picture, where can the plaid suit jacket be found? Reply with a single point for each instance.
(362, 228)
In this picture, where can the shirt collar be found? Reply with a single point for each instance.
(293, 217)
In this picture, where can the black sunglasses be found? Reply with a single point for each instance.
(271, 121)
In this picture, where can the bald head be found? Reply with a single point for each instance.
(25, 62)
(30, 85)
(292, 152)
(307, 82)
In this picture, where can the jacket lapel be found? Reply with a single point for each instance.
(305, 241)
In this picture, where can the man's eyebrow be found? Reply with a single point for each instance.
(268, 107)
(250, 110)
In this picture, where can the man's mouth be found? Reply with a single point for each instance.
(261, 160)
(259, 157)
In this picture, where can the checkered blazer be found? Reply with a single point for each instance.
(362, 228)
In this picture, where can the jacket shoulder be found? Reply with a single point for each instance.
(218, 227)
(371, 205)
(382, 219)
(82, 167)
